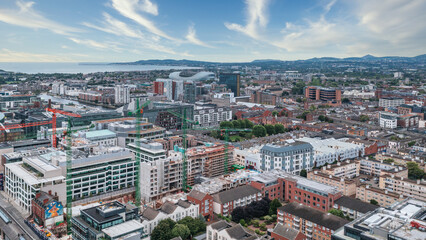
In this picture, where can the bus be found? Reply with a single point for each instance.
(3, 216)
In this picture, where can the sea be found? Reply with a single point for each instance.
(32, 68)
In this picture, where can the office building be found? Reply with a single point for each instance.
(388, 120)
(323, 94)
(404, 220)
(121, 94)
(391, 102)
(292, 157)
(112, 220)
(314, 224)
(226, 231)
(147, 151)
(232, 82)
(225, 202)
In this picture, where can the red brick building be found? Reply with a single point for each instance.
(46, 209)
(292, 188)
(204, 201)
(159, 88)
(316, 225)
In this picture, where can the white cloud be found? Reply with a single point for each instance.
(26, 16)
(256, 18)
(115, 27)
(192, 38)
(7, 55)
(95, 44)
(131, 9)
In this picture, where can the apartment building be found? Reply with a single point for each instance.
(314, 224)
(250, 158)
(388, 120)
(391, 102)
(282, 232)
(112, 220)
(383, 197)
(176, 211)
(170, 142)
(293, 188)
(376, 168)
(204, 201)
(223, 230)
(291, 157)
(147, 151)
(346, 169)
(344, 185)
(225, 202)
(210, 115)
(160, 178)
(404, 186)
(330, 150)
(402, 221)
(121, 94)
(353, 208)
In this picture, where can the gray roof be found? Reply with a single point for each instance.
(184, 204)
(297, 145)
(149, 213)
(234, 194)
(286, 232)
(327, 220)
(168, 207)
(238, 232)
(197, 194)
(355, 204)
(220, 225)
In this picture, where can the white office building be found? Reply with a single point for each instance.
(121, 94)
(388, 120)
(148, 151)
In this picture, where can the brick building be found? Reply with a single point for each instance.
(204, 201)
(46, 209)
(225, 202)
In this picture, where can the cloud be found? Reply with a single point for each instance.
(26, 16)
(256, 17)
(192, 38)
(131, 9)
(7, 55)
(116, 27)
(95, 44)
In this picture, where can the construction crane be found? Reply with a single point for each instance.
(185, 120)
(138, 113)
(54, 112)
(225, 133)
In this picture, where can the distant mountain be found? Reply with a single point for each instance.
(366, 58)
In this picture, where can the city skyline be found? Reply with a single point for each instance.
(224, 31)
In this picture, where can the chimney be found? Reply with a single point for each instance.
(49, 103)
(38, 195)
(45, 201)
(50, 192)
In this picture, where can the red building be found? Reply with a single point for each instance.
(292, 188)
(324, 94)
(316, 225)
(159, 88)
(204, 201)
(282, 232)
(46, 209)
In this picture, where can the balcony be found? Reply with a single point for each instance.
(296, 219)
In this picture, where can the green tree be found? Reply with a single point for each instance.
(270, 129)
(321, 118)
(242, 124)
(273, 206)
(242, 222)
(279, 128)
(259, 131)
(303, 173)
(181, 230)
(412, 143)
(248, 124)
(226, 124)
(414, 171)
(364, 118)
(345, 100)
(163, 231)
(236, 124)
(374, 202)
(298, 88)
(195, 225)
(337, 212)
(274, 113)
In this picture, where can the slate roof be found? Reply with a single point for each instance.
(183, 203)
(286, 232)
(150, 213)
(355, 204)
(220, 225)
(234, 194)
(238, 232)
(327, 220)
(197, 194)
(168, 207)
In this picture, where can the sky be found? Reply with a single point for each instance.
(208, 30)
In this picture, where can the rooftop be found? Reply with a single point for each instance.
(234, 194)
(123, 228)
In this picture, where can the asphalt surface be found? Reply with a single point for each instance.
(17, 227)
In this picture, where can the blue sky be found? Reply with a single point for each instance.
(219, 30)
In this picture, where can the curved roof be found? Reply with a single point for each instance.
(200, 76)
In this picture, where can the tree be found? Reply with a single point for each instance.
(242, 123)
(242, 222)
(259, 131)
(274, 113)
(412, 143)
(163, 231)
(279, 128)
(226, 124)
(321, 118)
(180, 230)
(195, 225)
(338, 212)
(270, 129)
(414, 172)
(235, 124)
(364, 118)
(248, 124)
(298, 88)
(303, 173)
(345, 100)
(273, 206)
(237, 214)
(374, 202)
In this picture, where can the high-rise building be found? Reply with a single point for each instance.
(159, 87)
(323, 94)
(122, 94)
(232, 82)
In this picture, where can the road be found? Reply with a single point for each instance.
(17, 226)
